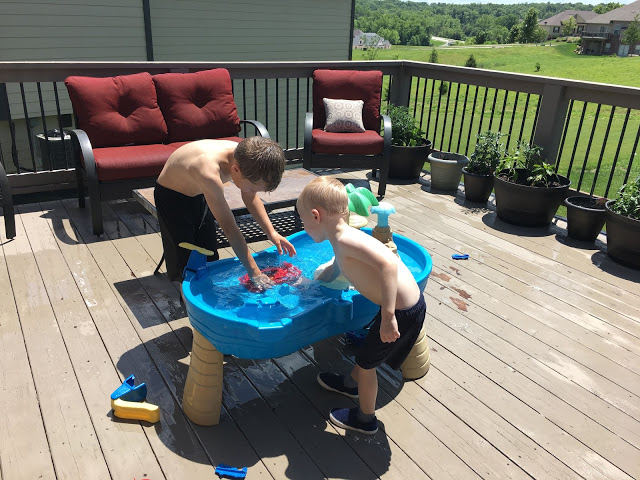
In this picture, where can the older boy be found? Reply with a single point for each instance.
(377, 274)
(194, 177)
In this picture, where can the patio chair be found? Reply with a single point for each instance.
(347, 141)
(7, 204)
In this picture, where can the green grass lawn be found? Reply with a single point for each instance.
(555, 61)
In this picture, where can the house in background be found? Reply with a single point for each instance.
(159, 30)
(553, 25)
(362, 41)
(602, 34)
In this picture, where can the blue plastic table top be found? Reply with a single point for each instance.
(285, 318)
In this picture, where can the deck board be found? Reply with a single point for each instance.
(535, 346)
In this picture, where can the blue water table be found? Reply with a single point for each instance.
(228, 319)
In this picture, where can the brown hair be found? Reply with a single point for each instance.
(326, 193)
(260, 158)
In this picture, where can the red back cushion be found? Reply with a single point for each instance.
(117, 111)
(348, 85)
(197, 105)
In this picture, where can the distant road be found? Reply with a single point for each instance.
(449, 42)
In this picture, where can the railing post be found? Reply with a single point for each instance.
(400, 88)
(550, 123)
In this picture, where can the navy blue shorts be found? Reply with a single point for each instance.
(374, 352)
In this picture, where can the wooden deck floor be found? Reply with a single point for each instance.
(535, 371)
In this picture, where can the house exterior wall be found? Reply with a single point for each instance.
(612, 34)
(72, 30)
(204, 30)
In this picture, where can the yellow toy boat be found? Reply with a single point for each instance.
(136, 410)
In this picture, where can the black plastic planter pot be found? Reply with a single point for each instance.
(623, 238)
(407, 162)
(477, 188)
(528, 206)
(585, 218)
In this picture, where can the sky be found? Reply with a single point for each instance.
(511, 2)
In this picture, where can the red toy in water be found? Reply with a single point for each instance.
(283, 274)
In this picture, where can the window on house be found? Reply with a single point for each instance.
(603, 29)
(616, 30)
(638, 49)
(580, 28)
(607, 47)
(556, 29)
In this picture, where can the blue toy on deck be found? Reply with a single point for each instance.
(130, 392)
(285, 318)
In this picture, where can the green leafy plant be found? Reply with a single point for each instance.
(488, 153)
(628, 201)
(525, 165)
(537, 66)
(404, 129)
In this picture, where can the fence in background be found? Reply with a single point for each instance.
(589, 130)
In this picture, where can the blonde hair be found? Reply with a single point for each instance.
(326, 193)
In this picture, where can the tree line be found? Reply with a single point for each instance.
(414, 23)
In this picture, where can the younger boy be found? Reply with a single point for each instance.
(194, 177)
(375, 271)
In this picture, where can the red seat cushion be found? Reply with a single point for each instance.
(348, 85)
(197, 105)
(117, 111)
(137, 161)
(177, 145)
(367, 143)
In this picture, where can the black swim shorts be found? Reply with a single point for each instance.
(183, 219)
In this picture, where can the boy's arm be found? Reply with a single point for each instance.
(214, 195)
(259, 213)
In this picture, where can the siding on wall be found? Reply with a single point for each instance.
(199, 30)
(72, 30)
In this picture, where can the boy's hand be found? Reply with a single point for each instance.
(262, 281)
(389, 330)
(283, 245)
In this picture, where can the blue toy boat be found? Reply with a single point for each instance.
(130, 392)
(285, 318)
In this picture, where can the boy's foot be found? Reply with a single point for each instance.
(335, 383)
(347, 418)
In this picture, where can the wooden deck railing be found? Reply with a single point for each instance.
(582, 126)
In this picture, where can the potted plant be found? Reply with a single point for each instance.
(446, 169)
(528, 191)
(478, 173)
(409, 148)
(585, 217)
(623, 225)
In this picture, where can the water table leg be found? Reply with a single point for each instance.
(202, 399)
(419, 360)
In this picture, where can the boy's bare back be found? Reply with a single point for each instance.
(197, 164)
(356, 253)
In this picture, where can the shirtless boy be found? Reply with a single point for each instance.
(194, 177)
(376, 272)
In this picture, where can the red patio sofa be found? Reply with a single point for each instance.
(129, 125)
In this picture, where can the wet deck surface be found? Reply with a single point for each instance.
(535, 348)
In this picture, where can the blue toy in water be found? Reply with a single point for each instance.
(130, 393)
(285, 318)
